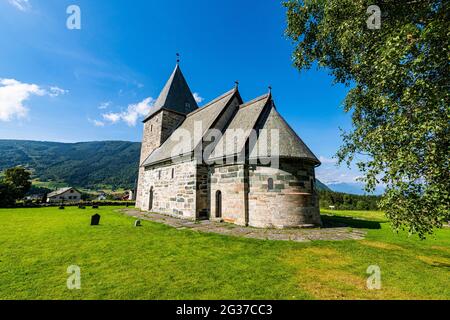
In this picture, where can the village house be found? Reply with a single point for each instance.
(242, 162)
(64, 195)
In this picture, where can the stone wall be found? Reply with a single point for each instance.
(174, 190)
(292, 201)
(156, 130)
(230, 181)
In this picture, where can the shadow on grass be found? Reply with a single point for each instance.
(335, 221)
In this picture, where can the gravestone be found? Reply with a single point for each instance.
(95, 219)
(137, 223)
(61, 207)
(81, 207)
(95, 206)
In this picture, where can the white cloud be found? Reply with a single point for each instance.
(97, 123)
(22, 5)
(55, 91)
(13, 95)
(197, 97)
(332, 174)
(111, 117)
(132, 114)
(327, 160)
(104, 105)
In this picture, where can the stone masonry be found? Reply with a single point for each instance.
(156, 131)
(240, 191)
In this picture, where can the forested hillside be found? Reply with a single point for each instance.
(86, 164)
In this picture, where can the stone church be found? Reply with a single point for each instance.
(249, 185)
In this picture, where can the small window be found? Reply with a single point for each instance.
(159, 174)
(151, 128)
(71, 191)
(270, 184)
(173, 173)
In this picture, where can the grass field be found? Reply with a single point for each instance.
(119, 261)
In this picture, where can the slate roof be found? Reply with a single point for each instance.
(258, 114)
(175, 96)
(58, 192)
(237, 133)
(261, 115)
(205, 115)
(289, 144)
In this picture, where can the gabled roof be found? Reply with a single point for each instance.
(235, 136)
(206, 116)
(261, 115)
(175, 96)
(59, 191)
(289, 144)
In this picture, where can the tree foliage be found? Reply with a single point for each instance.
(345, 201)
(398, 97)
(14, 185)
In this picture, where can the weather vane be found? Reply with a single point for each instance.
(178, 57)
(236, 84)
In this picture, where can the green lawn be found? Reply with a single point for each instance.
(119, 261)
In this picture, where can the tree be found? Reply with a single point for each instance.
(7, 197)
(15, 184)
(19, 179)
(398, 97)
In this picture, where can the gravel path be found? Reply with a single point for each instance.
(293, 234)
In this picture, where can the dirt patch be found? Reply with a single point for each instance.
(381, 245)
(440, 248)
(435, 261)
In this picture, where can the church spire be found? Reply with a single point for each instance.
(175, 95)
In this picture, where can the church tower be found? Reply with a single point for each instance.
(170, 109)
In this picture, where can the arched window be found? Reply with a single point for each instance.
(270, 184)
(218, 204)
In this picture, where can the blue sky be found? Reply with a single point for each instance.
(67, 85)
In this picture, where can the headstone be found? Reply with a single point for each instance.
(126, 204)
(137, 223)
(61, 207)
(81, 207)
(95, 219)
(95, 206)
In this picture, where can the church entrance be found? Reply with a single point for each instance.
(150, 199)
(218, 204)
